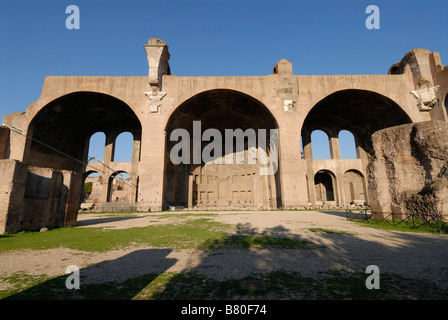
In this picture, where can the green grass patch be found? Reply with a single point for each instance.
(407, 225)
(20, 282)
(200, 233)
(46, 288)
(190, 234)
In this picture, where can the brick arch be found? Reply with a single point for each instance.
(198, 184)
(216, 95)
(94, 198)
(354, 187)
(362, 112)
(325, 185)
(61, 129)
(126, 185)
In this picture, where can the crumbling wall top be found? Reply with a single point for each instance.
(158, 57)
(283, 67)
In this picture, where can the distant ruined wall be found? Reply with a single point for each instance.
(12, 190)
(410, 171)
(32, 198)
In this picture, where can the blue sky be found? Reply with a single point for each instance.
(208, 37)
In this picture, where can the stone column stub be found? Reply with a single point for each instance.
(158, 56)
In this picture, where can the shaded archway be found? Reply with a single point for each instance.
(61, 130)
(361, 112)
(208, 183)
(120, 187)
(355, 191)
(92, 189)
(446, 105)
(325, 186)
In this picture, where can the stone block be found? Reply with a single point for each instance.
(409, 174)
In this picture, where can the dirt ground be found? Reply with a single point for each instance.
(413, 255)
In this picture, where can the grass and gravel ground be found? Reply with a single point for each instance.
(332, 285)
(211, 237)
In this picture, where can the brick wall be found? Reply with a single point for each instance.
(32, 198)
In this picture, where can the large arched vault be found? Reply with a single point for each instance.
(62, 128)
(360, 111)
(220, 185)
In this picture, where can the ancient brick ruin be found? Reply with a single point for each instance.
(409, 175)
(45, 149)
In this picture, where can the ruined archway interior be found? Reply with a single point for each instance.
(209, 184)
(62, 129)
(355, 187)
(359, 111)
(324, 185)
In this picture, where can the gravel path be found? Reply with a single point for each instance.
(413, 255)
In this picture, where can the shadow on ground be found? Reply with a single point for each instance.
(354, 214)
(274, 263)
(327, 265)
(119, 279)
(101, 220)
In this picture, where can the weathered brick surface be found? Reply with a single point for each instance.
(32, 198)
(12, 190)
(410, 171)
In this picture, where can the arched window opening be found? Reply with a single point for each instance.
(96, 147)
(320, 144)
(123, 147)
(121, 188)
(307, 189)
(62, 132)
(354, 187)
(323, 183)
(92, 189)
(302, 155)
(347, 145)
(352, 110)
